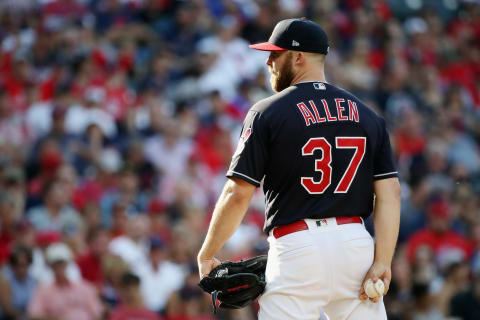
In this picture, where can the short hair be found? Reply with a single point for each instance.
(319, 56)
(419, 290)
(18, 251)
(130, 279)
(95, 232)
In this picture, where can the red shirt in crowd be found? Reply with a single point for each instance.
(408, 144)
(128, 313)
(5, 240)
(439, 243)
(91, 268)
(198, 317)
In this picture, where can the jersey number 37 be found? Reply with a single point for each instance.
(324, 164)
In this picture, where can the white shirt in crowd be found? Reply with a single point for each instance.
(79, 118)
(130, 251)
(170, 159)
(158, 285)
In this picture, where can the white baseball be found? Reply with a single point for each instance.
(374, 290)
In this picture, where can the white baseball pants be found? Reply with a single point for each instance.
(317, 274)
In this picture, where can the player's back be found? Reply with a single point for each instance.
(324, 149)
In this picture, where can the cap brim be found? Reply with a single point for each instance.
(266, 46)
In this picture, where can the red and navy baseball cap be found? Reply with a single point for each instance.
(296, 34)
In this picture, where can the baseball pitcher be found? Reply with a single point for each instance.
(326, 164)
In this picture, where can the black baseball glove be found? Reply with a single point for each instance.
(236, 284)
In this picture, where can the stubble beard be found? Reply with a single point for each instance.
(283, 78)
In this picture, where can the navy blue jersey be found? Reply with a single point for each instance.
(317, 149)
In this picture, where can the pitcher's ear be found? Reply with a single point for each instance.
(299, 57)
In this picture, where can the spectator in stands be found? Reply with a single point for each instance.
(7, 226)
(132, 306)
(12, 130)
(44, 169)
(133, 246)
(81, 116)
(160, 221)
(113, 267)
(56, 213)
(424, 308)
(141, 166)
(413, 216)
(127, 191)
(64, 299)
(13, 184)
(90, 263)
(119, 226)
(189, 303)
(466, 304)
(160, 277)
(456, 281)
(17, 286)
(67, 142)
(40, 269)
(447, 245)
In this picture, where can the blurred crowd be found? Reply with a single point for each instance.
(118, 119)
